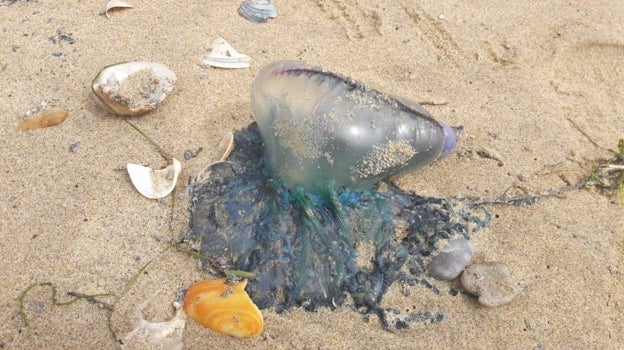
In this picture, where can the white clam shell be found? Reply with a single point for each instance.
(115, 4)
(222, 55)
(152, 183)
(132, 88)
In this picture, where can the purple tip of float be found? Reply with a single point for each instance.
(450, 139)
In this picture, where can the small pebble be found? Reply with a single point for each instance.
(188, 154)
(452, 260)
(490, 282)
(74, 146)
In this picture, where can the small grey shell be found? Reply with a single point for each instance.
(257, 11)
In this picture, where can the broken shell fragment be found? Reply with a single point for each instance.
(156, 335)
(115, 4)
(222, 55)
(224, 308)
(257, 11)
(49, 117)
(132, 88)
(152, 183)
(226, 146)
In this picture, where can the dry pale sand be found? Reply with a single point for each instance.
(512, 73)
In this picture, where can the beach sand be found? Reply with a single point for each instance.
(523, 78)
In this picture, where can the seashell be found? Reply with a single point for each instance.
(222, 55)
(115, 4)
(48, 118)
(132, 88)
(226, 145)
(165, 335)
(257, 11)
(154, 184)
(224, 308)
(323, 130)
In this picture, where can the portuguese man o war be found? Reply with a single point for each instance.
(303, 201)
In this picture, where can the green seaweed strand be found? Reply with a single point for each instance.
(53, 297)
(79, 296)
(160, 150)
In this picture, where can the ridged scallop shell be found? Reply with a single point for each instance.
(132, 88)
(323, 130)
(257, 10)
(224, 308)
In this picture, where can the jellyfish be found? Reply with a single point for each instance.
(304, 201)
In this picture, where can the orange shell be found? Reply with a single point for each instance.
(49, 117)
(224, 308)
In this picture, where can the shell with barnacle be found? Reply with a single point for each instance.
(131, 88)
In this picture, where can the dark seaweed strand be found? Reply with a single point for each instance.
(352, 85)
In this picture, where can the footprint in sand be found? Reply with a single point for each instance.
(592, 73)
(589, 79)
